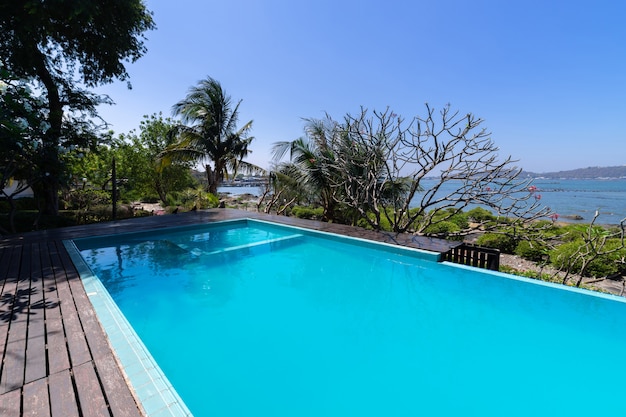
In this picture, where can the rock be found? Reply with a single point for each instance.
(573, 217)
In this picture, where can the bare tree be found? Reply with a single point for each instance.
(384, 162)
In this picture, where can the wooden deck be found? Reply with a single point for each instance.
(56, 359)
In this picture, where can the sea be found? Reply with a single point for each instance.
(575, 201)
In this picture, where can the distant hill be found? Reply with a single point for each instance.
(581, 173)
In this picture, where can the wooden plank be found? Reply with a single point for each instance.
(10, 403)
(36, 343)
(63, 401)
(94, 333)
(36, 399)
(10, 271)
(58, 355)
(75, 338)
(121, 401)
(17, 309)
(118, 394)
(90, 396)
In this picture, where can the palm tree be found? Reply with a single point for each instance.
(344, 167)
(209, 133)
(312, 158)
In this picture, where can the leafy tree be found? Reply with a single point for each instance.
(155, 135)
(59, 46)
(138, 170)
(210, 134)
(91, 167)
(20, 137)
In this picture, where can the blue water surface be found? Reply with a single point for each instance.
(571, 199)
(291, 324)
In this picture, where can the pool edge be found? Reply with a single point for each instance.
(151, 388)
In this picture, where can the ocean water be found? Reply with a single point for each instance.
(584, 197)
(568, 198)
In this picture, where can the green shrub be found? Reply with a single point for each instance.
(480, 214)
(573, 232)
(26, 203)
(85, 199)
(385, 225)
(173, 200)
(307, 212)
(443, 229)
(564, 258)
(531, 250)
(505, 243)
(211, 200)
(460, 219)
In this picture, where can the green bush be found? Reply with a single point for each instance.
(26, 203)
(211, 200)
(531, 250)
(443, 229)
(564, 258)
(460, 219)
(173, 200)
(385, 225)
(480, 214)
(307, 212)
(573, 232)
(505, 243)
(86, 199)
(21, 204)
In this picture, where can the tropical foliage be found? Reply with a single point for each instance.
(59, 49)
(209, 134)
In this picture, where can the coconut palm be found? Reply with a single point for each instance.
(209, 134)
(312, 161)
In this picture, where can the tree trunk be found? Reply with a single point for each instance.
(49, 165)
(158, 186)
(50, 196)
(213, 177)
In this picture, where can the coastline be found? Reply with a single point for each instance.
(574, 200)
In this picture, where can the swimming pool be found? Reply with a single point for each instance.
(249, 318)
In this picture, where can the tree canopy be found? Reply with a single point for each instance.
(59, 46)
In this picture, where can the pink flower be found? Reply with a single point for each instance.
(532, 188)
(554, 217)
(537, 196)
(487, 189)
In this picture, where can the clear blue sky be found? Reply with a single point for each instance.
(548, 77)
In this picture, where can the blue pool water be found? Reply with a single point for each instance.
(251, 319)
